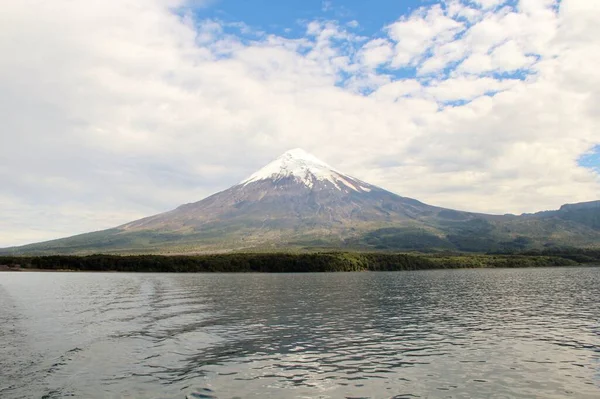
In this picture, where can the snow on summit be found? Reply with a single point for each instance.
(305, 168)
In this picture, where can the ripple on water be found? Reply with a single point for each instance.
(457, 333)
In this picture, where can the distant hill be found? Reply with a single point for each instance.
(300, 202)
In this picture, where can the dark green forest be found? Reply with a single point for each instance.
(301, 262)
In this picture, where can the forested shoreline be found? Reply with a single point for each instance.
(298, 262)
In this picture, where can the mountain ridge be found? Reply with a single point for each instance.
(298, 201)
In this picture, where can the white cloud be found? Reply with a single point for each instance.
(393, 91)
(490, 31)
(457, 9)
(487, 4)
(415, 35)
(504, 40)
(510, 57)
(467, 88)
(116, 109)
(476, 64)
(376, 52)
(442, 56)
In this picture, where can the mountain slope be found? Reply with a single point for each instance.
(299, 201)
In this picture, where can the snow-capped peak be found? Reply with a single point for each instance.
(305, 168)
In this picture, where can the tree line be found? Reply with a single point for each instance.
(292, 262)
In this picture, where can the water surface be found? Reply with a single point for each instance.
(496, 333)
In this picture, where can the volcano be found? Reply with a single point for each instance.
(298, 201)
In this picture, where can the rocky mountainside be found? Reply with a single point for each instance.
(298, 201)
(295, 193)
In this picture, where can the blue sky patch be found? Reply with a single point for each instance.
(288, 17)
(591, 159)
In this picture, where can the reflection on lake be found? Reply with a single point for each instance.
(431, 334)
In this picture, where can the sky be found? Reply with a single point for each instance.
(113, 110)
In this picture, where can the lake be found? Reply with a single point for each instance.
(494, 333)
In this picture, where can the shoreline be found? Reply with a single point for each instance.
(291, 262)
(5, 268)
(26, 270)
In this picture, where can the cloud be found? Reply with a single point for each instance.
(376, 52)
(487, 4)
(415, 35)
(326, 5)
(467, 88)
(113, 110)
